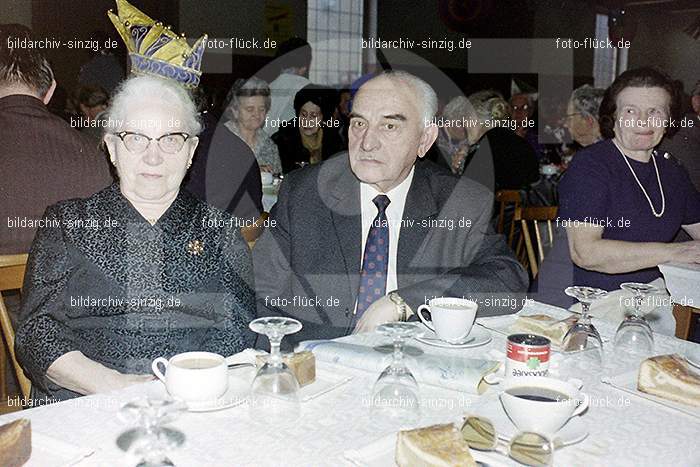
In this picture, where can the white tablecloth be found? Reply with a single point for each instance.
(624, 430)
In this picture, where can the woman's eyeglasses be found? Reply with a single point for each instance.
(137, 143)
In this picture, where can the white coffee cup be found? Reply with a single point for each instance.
(266, 178)
(543, 417)
(193, 376)
(452, 318)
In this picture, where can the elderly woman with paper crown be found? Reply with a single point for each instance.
(139, 270)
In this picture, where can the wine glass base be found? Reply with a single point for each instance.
(168, 436)
(150, 452)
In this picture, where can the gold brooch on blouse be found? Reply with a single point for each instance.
(195, 247)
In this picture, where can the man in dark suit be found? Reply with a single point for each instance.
(43, 159)
(424, 232)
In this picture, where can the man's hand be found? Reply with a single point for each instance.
(266, 168)
(380, 312)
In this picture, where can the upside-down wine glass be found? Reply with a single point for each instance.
(150, 441)
(583, 335)
(274, 394)
(634, 333)
(395, 395)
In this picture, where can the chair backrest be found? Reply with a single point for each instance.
(252, 232)
(685, 320)
(12, 269)
(532, 221)
(507, 200)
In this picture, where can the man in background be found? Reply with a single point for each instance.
(43, 159)
(685, 144)
(294, 59)
(581, 117)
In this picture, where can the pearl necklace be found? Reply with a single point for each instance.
(658, 178)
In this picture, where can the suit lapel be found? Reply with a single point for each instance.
(347, 225)
(419, 205)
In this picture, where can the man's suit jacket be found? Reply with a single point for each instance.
(43, 161)
(307, 262)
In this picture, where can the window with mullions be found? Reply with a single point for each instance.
(334, 29)
(604, 59)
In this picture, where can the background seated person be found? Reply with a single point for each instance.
(248, 104)
(138, 270)
(621, 201)
(305, 140)
(497, 158)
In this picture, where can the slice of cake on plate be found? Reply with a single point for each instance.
(433, 446)
(542, 325)
(670, 377)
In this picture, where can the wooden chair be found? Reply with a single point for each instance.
(685, 317)
(252, 232)
(12, 269)
(534, 219)
(507, 199)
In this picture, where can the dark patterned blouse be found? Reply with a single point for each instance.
(104, 281)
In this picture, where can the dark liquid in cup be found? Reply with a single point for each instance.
(538, 394)
(197, 363)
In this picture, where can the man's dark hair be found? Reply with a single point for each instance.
(22, 65)
(293, 53)
(645, 77)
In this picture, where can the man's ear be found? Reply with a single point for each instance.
(49, 94)
(427, 139)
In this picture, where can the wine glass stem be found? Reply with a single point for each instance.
(637, 305)
(585, 307)
(275, 354)
(398, 352)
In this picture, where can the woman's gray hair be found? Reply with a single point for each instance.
(147, 88)
(489, 105)
(253, 86)
(459, 107)
(426, 93)
(586, 100)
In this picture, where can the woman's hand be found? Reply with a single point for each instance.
(78, 373)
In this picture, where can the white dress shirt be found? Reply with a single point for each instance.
(394, 215)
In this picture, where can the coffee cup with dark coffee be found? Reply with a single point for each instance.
(193, 376)
(540, 404)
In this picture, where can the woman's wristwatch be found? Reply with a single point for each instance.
(404, 311)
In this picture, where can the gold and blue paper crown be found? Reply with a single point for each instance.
(155, 49)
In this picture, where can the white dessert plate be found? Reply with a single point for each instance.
(628, 382)
(240, 379)
(382, 452)
(478, 336)
(48, 451)
(692, 356)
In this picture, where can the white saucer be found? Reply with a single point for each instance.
(573, 432)
(692, 356)
(239, 380)
(478, 336)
